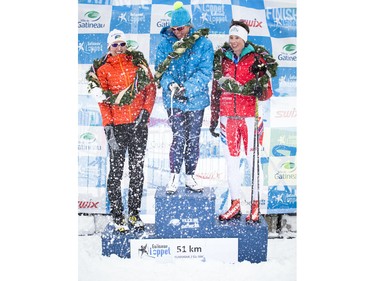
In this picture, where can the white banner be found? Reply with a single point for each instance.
(203, 249)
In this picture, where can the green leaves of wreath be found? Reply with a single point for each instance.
(178, 49)
(233, 86)
(140, 82)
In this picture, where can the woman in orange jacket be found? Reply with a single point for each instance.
(126, 82)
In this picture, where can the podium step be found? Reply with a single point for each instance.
(186, 226)
(185, 214)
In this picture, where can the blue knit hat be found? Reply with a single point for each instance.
(180, 16)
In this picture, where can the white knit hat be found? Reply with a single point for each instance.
(239, 31)
(115, 35)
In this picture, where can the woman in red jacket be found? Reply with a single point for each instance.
(233, 100)
(126, 81)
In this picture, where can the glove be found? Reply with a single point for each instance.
(212, 129)
(177, 92)
(258, 91)
(110, 134)
(142, 119)
(258, 66)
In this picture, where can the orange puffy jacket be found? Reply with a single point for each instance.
(115, 75)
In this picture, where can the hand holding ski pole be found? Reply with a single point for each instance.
(178, 92)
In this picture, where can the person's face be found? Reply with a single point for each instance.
(236, 43)
(180, 31)
(117, 47)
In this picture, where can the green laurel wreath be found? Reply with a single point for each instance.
(141, 80)
(230, 85)
(179, 48)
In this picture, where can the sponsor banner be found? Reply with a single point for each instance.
(216, 17)
(92, 171)
(272, 24)
(279, 3)
(284, 50)
(94, 18)
(254, 19)
(202, 249)
(131, 19)
(249, 4)
(283, 142)
(282, 22)
(283, 112)
(82, 82)
(91, 141)
(88, 111)
(159, 18)
(131, 2)
(282, 171)
(92, 200)
(90, 47)
(285, 83)
(282, 199)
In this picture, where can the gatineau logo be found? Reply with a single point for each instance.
(91, 20)
(289, 53)
(88, 137)
(92, 16)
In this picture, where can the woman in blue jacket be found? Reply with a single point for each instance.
(184, 65)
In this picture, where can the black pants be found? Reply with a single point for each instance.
(134, 141)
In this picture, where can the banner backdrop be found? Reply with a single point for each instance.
(272, 24)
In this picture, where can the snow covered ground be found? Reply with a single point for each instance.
(92, 266)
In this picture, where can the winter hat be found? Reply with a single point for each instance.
(115, 35)
(180, 16)
(239, 31)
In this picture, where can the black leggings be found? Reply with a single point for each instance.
(134, 141)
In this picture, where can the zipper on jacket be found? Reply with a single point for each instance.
(235, 95)
(123, 71)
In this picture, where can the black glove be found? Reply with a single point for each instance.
(110, 134)
(212, 129)
(178, 92)
(142, 119)
(258, 66)
(258, 91)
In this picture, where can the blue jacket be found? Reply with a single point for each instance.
(193, 69)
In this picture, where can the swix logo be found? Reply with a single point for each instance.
(252, 23)
(286, 113)
(88, 205)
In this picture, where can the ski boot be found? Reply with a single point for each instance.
(254, 213)
(192, 184)
(136, 222)
(172, 184)
(234, 211)
(121, 226)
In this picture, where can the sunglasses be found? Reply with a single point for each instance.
(114, 45)
(177, 28)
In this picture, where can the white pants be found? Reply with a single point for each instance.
(238, 137)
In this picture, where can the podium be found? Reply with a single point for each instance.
(186, 226)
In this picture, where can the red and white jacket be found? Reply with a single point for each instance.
(229, 104)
